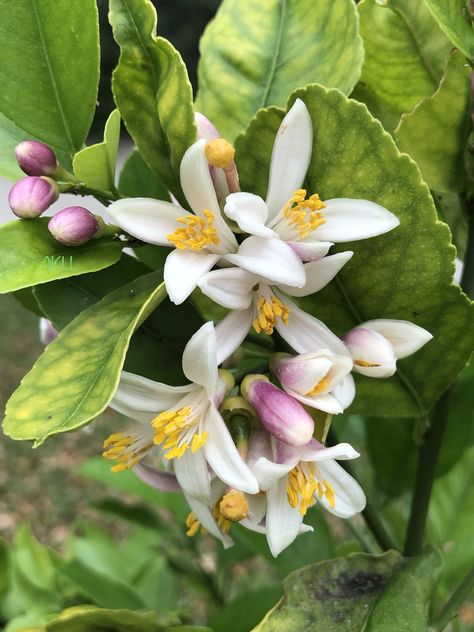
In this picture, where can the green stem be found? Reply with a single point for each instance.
(449, 610)
(261, 341)
(370, 514)
(365, 545)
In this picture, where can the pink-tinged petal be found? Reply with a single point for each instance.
(193, 475)
(371, 352)
(271, 259)
(290, 157)
(283, 522)
(229, 287)
(349, 498)
(205, 517)
(231, 332)
(200, 358)
(146, 219)
(183, 269)
(205, 129)
(405, 337)
(351, 220)
(319, 273)
(250, 212)
(163, 481)
(310, 250)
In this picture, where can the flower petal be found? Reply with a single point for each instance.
(200, 358)
(405, 337)
(147, 219)
(371, 352)
(230, 287)
(257, 507)
(163, 481)
(327, 403)
(310, 250)
(315, 452)
(250, 212)
(205, 517)
(271, 259)
(283, 521)
(319, 273)
(344, 391)
(268, 473)
(223, 456)
(183, 269)
(192, 474)
(350, 220)
(348, 494)
(290, 157)
(231, 332)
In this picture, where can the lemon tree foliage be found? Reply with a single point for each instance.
(405, 274)
(453, 18)
(254, 54)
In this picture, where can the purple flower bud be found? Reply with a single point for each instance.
(31, 196)
(205, 129)
(282, 415)
(47, 332)
(73, 226)
(35, 158)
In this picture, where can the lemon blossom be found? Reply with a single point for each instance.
(307, 224)
(182, 423)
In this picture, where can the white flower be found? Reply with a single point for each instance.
(183, 420)
(308, 225)
(200, 240)
(296, 478)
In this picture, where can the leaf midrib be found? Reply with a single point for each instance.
(276, 56)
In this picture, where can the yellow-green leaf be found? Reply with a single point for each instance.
(453, 17)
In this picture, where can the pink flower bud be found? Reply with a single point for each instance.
(371, 352)
(31, 196)
(47, 332)
(205, 129)
(282, 415)
(74, 226)
(35, 158)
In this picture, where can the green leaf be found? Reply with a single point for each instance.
(405, 274)
(26, 298)
(255, 54)
(152, 90)
(30, 255)
(138, 180)
(405, 53)
(356, 593)
(246, 610)
(453, 18)
(49, 68)
(95, 165)
(10, 137)
(76, 376)
(435, 134)
(90, 619)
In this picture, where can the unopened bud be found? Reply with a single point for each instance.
(35, 158)
(234, 506)
(205, 129)
(371, 352)
(32, 196)
(47, 332)
(73, 226)
(282, 415)
(219, 153)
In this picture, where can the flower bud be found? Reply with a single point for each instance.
(371, 352)
(282, 415)
(35, 158)
(205, 129)
(47, 332)
(31, 196)
(73, 226)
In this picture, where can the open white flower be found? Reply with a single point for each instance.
(308, 225)
(183, 421)
(296, 478)
(200, 240)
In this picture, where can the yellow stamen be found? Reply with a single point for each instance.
(196, 233)
(269, 310)
(304, 213)
(234, 506)
(223, 524)
(364, 363)
(126, 449)
(193, 525)
(301, 486)
(319, 387)
(170, 426)
(219, 152)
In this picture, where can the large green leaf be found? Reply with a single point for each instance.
(30, 255)
(138, 180)
(49, 68)
(152, 90)
(435, 134)
(357, 593)
(453, 18)
(255, 53)
(405, 274)
(76, 376)
(95, 165)
(10, 137)
(405, 52)
(90, 619)
(246, 610)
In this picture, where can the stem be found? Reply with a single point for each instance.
(370, 514)
(265, 342)
(360, 537)
(449, 610)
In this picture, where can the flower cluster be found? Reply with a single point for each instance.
(247, 453)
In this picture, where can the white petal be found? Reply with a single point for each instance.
(327, 403)
(271, 259)
(319, 273)
(251, 525)
(379, 371)
(344, 391)
(223, 456)
(310, 250)
(305, 333)
(200, 358)
(268, 473)
(283, 521)
(229, 287)
(257, 507)
(405, 337)
(290, 157)
(183, 269)
(348, 494)
(198, 188)
(193, 475)
(250, 212)
(205, 517)
(350, 220)
(231, 332)
(317, 452)
(372, 353)
(163, 481)
(147, 219)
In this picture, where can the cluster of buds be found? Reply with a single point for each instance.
(30, 197)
